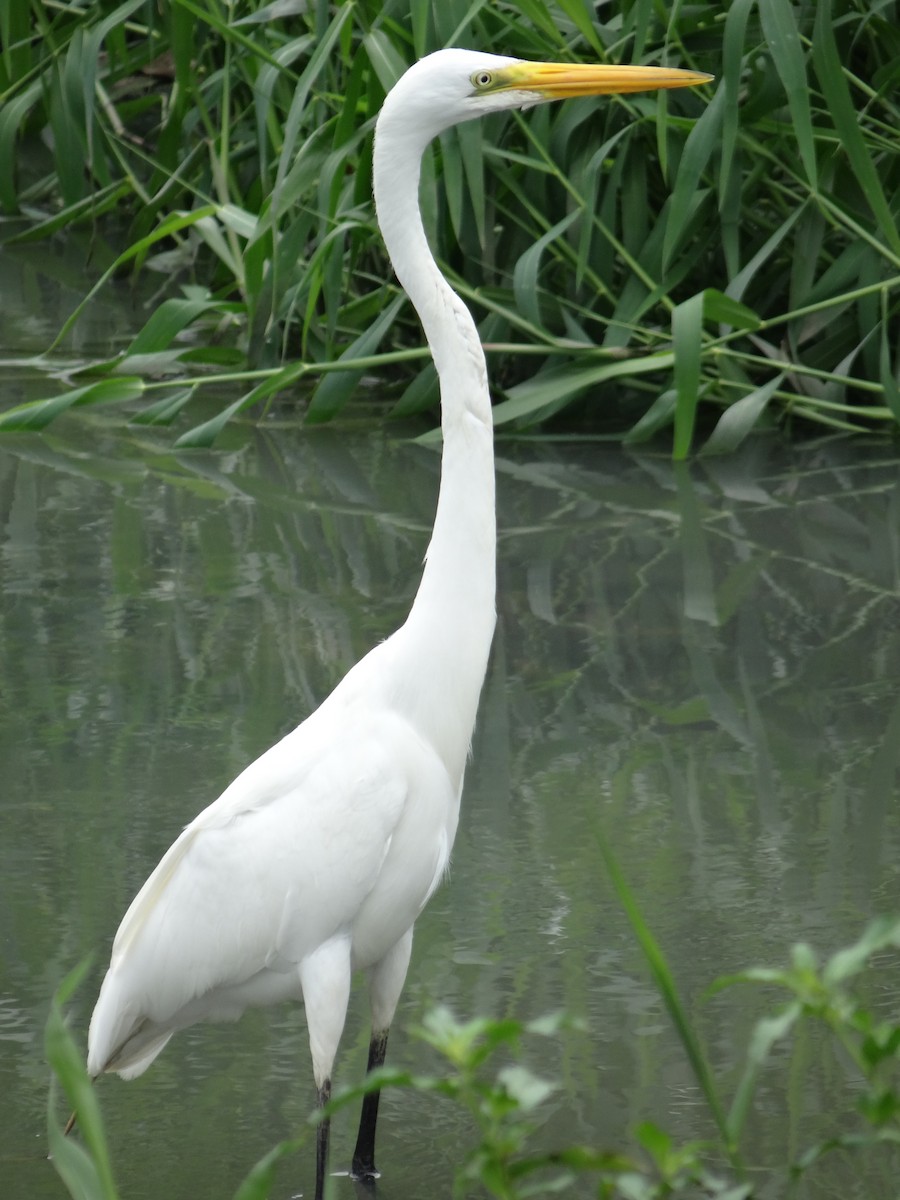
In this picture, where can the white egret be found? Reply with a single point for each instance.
(319, 857)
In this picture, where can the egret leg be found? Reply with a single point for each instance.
(385, 985)
(325, 980)
(364, 1154)
(323, 1095)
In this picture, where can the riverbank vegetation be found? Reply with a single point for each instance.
(695, 263)
(483, 1076)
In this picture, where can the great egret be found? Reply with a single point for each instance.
(318, 858)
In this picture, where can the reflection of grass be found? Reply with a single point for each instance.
(737, 244)
(504, 1101)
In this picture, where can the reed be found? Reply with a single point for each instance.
(691, 265)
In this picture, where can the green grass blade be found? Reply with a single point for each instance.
(658, 416)
(526, 288)
(722, 309)
(13, 115)
(171, 318)
(830, 72)
(783, 39)
(421, 395)
(471, 151)
(886, 368)
(206, 433)
(452, 179)
(259, 1183)
(732, 72)
(766, 1033)
(335, 389)
(387, 63)
(740, 418)
(698, 149)
(172, 225)
(66, 117)
(665, 985)
(294, 123)
(86, 1173)
(763, 256)
(207, 15)
(15, 48)
(687, 333)
(882, 933)
(269, 116)
(582, 18)
(90, 208)
(36, 414)
(542, 394)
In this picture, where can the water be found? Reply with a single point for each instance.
(701, 661)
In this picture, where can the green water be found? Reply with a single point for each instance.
(703, 661)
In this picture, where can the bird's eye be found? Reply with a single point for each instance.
(482, 79)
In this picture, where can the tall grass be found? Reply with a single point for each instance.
(696, 263)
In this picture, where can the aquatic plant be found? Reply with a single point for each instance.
(482, 1074)
(693, 265)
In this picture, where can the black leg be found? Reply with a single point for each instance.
(364, 1154)
(323, 1095)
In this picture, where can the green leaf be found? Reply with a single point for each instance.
(317, 63)
(422, 394)
(665, 985)
(13, 115)
(167, 228)
(206, 433)
(658, 416)
(525, 275)
(167, 322)
(385, 59)
(471, 148)
(740, 418)
(526, 1088)
(687, 332)
(543, 393)
(783, 40)
(723, 310)
(763, 256)
(163, 412)
(337, 386)
(831, 75)
(880, 934)
(766, 1033)
(886, 371)
(655, 1141)
(35, 414)
(260, 1181)
(732, 78)
(86, 1172)
(703, 139)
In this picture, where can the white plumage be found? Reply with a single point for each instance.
(310, 846)
(317, 860)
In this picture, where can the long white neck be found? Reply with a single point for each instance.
(447, 635)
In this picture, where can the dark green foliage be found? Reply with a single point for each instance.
(735, 245)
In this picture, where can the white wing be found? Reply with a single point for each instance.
(342, 828)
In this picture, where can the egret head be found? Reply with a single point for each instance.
(451, 86)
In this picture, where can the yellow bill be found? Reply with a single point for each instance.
(557, 81)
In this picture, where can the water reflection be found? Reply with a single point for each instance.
(704, 660)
